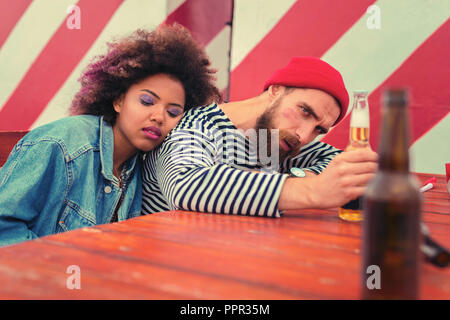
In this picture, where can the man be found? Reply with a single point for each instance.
(221, 159)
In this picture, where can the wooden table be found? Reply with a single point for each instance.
(179, 255)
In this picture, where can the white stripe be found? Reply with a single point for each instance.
(252, 20)
(213, 188)
(264, 198)
(243, 192)
(26, 41)
(172, 5)
(250, 191)
(430, 153)
(232, 188)
(218, 50)
(367, 57)
(267, 201)
(131, 15)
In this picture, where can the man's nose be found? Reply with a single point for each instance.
(304, 134)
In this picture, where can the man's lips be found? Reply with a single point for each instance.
(285, 145)
(152, 133)
(290, 144)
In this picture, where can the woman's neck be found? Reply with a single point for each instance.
(123, 150)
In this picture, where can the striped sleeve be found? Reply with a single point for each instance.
(191, 178)
(314, 157)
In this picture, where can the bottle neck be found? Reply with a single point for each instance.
(394, 145)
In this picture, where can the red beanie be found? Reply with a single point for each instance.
(311, 72)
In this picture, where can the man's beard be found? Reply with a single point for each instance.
(264, 126)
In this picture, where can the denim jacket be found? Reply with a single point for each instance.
(59, 177)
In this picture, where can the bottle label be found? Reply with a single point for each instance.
(359, 138)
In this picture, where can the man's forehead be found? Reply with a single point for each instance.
(315, 93)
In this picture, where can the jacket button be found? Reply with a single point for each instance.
(108, 189)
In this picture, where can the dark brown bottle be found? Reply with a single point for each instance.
(392, 212)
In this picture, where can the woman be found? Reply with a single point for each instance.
(84, 170)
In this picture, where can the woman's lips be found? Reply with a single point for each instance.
(152, 133)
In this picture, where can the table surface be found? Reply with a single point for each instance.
(309, 254)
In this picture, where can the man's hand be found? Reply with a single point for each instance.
(344, 179)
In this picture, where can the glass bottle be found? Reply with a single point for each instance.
(392, 211)
(359, 139)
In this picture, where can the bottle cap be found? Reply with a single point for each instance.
(432, 180)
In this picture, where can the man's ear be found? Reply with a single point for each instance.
(118, 103)
(275, 91)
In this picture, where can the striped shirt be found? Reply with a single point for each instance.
(206, 164)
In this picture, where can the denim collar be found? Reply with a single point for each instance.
(107, 150)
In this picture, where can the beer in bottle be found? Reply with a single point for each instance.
(359, 139)
(392, 212)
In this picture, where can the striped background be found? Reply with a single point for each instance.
(41, 58)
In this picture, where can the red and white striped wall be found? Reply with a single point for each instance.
(375, 44)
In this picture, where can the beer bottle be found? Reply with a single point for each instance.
(359, 139)
(392, 212)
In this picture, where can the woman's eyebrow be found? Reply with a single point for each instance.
(151, 92)
(157, 97)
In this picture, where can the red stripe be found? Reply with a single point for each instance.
(10, 13)
(309, 28)
(204, 18)
(54, 65)
(426, 73)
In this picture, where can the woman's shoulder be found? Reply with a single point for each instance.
(72, 132)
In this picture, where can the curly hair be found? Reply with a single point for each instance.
(168, 49)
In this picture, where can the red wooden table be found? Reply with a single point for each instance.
(310, 254)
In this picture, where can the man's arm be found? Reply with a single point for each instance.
(190, 179)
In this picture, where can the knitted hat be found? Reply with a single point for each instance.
(311, 72)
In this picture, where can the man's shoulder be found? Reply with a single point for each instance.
(203, 118)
